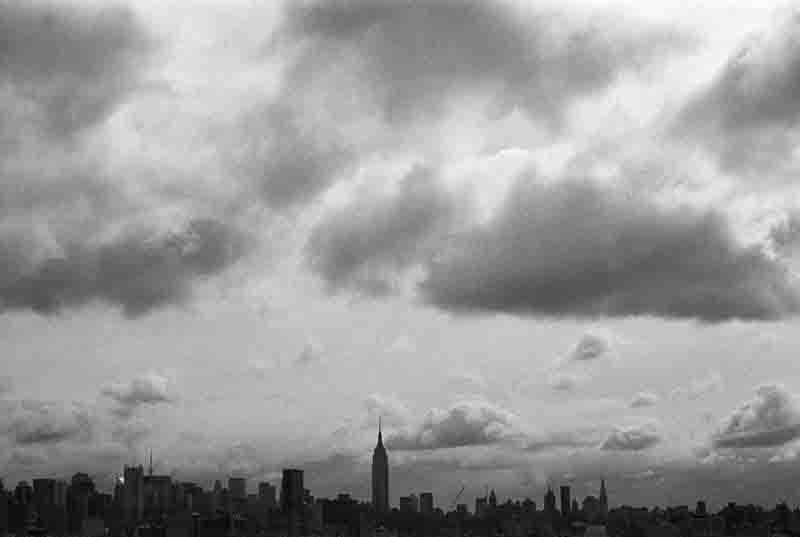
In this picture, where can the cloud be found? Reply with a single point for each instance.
(78, 226)
(644, 399)
(770, 418)
(700, 387)
(590, 347)
(31, 422)
(412, 58)
(6, 385)
(749, 114)
(556, 440)
(390, 410)
(138, 271)
(366, 245)
(573, 249)
(467, 423)
(310, 354)
(566, 381)
(148, 389)
(290, 162)
(65, 67)
(633, 438)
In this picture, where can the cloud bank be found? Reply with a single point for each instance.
(770, 418)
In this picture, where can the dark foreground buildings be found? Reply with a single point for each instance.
(149, 505)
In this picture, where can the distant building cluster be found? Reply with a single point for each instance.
(149, 505)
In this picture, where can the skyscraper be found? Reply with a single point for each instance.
(603, 498)
(565, 500)
(549, 501)
(292, 496)
(426, 503)
(133, 493)
(237, 486)
(380, 476)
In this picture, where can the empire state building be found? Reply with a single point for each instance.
(380, 476)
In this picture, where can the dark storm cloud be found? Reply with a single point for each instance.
(413, 56)
(365, 245)
(469, 423)
(288, 161)
(64, 67)
(137, 272)
(572, 249)
(750, 113)
(633, 438)
(771, 418)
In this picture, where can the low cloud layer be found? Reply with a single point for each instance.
(770, 418)
(148, 389)
(590, 347)
(633, 438)
(572, 249)
(468, 423)
(32, 422)
(644, 399)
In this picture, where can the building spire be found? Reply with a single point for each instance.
(151, 462)
(380, 432)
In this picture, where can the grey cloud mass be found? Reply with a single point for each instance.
(573, 249)
(286, 158)
(72, 233)
(770, 418)
(64, 67)
(414, 56)
(137, 272)
(366, 245)
(468, 423)
(750, 113)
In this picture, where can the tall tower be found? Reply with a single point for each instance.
(603, 498)
(380, 475)
(565, 501)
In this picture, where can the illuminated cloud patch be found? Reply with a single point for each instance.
(770, 418)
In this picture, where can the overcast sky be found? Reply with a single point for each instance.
(548, 242)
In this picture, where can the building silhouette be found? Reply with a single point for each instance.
(380, 476)
(426, 503)
(565, 501)
(549, 501)
(293, 499)
(133, 494)
(237, 486)
(603, 498)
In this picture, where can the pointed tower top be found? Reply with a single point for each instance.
(380, 432)
(151, 462)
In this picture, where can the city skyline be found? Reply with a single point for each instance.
(531, 243)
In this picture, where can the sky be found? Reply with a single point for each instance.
(545, 242)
